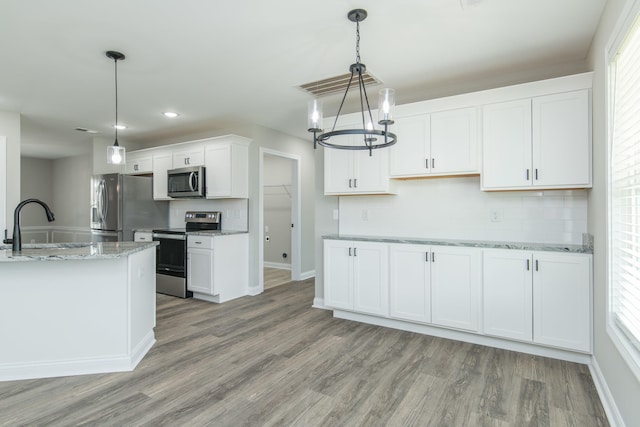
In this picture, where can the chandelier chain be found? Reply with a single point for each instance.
(357, 42)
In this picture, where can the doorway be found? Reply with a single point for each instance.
(279, 218)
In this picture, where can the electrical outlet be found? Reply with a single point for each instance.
(495, 215)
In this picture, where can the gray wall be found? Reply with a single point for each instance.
(63, 184)
(36, 182)
(277, 209)
(622, 383)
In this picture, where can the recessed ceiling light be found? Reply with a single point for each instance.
(170, 114)
(119, 127)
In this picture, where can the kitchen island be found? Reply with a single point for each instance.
(76, 308)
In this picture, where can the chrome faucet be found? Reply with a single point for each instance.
(17, 242)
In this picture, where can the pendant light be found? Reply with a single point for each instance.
(115, 153)
(386, 104)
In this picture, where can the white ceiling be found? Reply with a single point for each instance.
(240, 61)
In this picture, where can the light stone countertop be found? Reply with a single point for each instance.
(215, 233)
(546, 247)
(72, 251)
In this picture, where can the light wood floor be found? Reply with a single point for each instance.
(275, 277)
(272, 360)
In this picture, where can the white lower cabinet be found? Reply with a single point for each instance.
(562, 300)
(142, 236)
(356, 276)
(435, 284)
(410, 282)
(540, 297)
(200, 264)
(455, 287)
(217, 266)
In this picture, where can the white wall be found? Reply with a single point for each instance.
(10, 127)
(620, 381)
(234, 212)
(455, 208)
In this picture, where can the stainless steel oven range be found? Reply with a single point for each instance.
(171, 253)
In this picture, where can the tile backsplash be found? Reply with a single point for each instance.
(455, 208)
(235, 212)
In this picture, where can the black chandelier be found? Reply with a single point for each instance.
(386, 104)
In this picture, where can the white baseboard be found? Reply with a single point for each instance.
(307, 275)
(319, 303)
(609, 404)
(278, 265)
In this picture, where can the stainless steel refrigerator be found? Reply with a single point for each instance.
(122, 203)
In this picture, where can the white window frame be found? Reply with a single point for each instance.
(629, 352)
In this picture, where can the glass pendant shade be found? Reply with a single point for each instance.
(314, 116)
(116, 155)
(386, 105)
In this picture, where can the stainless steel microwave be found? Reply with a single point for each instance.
(186, 182)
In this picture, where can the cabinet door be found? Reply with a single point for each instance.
(371, 172)
(562, 300)
(410, 155)
(338, 169)
(370, 278)
(455, 287)
(200, 271)
(410, 282)
(218, 172)
(189, 157)
(454, 147)
(561, 148)
(506, 145)
(138, 164)
(161, 164)
(507, 285)
(338, 274)
(142, 236)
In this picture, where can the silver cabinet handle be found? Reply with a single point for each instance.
(527, 174)
(527, 265)
(355, 251)
(426, 163)
(426, 256)
(433, 257)
(350, 183)
(433, 163)
(536, 265)
(349, 251)
(536, 174)
(355, 183)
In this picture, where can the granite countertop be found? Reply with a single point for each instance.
(547, 247)
(72, 251)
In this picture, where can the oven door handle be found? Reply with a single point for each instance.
(193, 181)
(169, 236)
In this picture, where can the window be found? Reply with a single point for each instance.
(624, 196)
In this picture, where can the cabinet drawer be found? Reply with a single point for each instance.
(202, 242)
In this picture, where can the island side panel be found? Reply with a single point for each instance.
(142, 310)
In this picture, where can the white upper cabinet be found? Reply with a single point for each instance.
(440, 143)
(535, 143)
(355, 171)
(561, 136)
(139, 163)
(227, 167)
(189, 155)
(162, 162)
